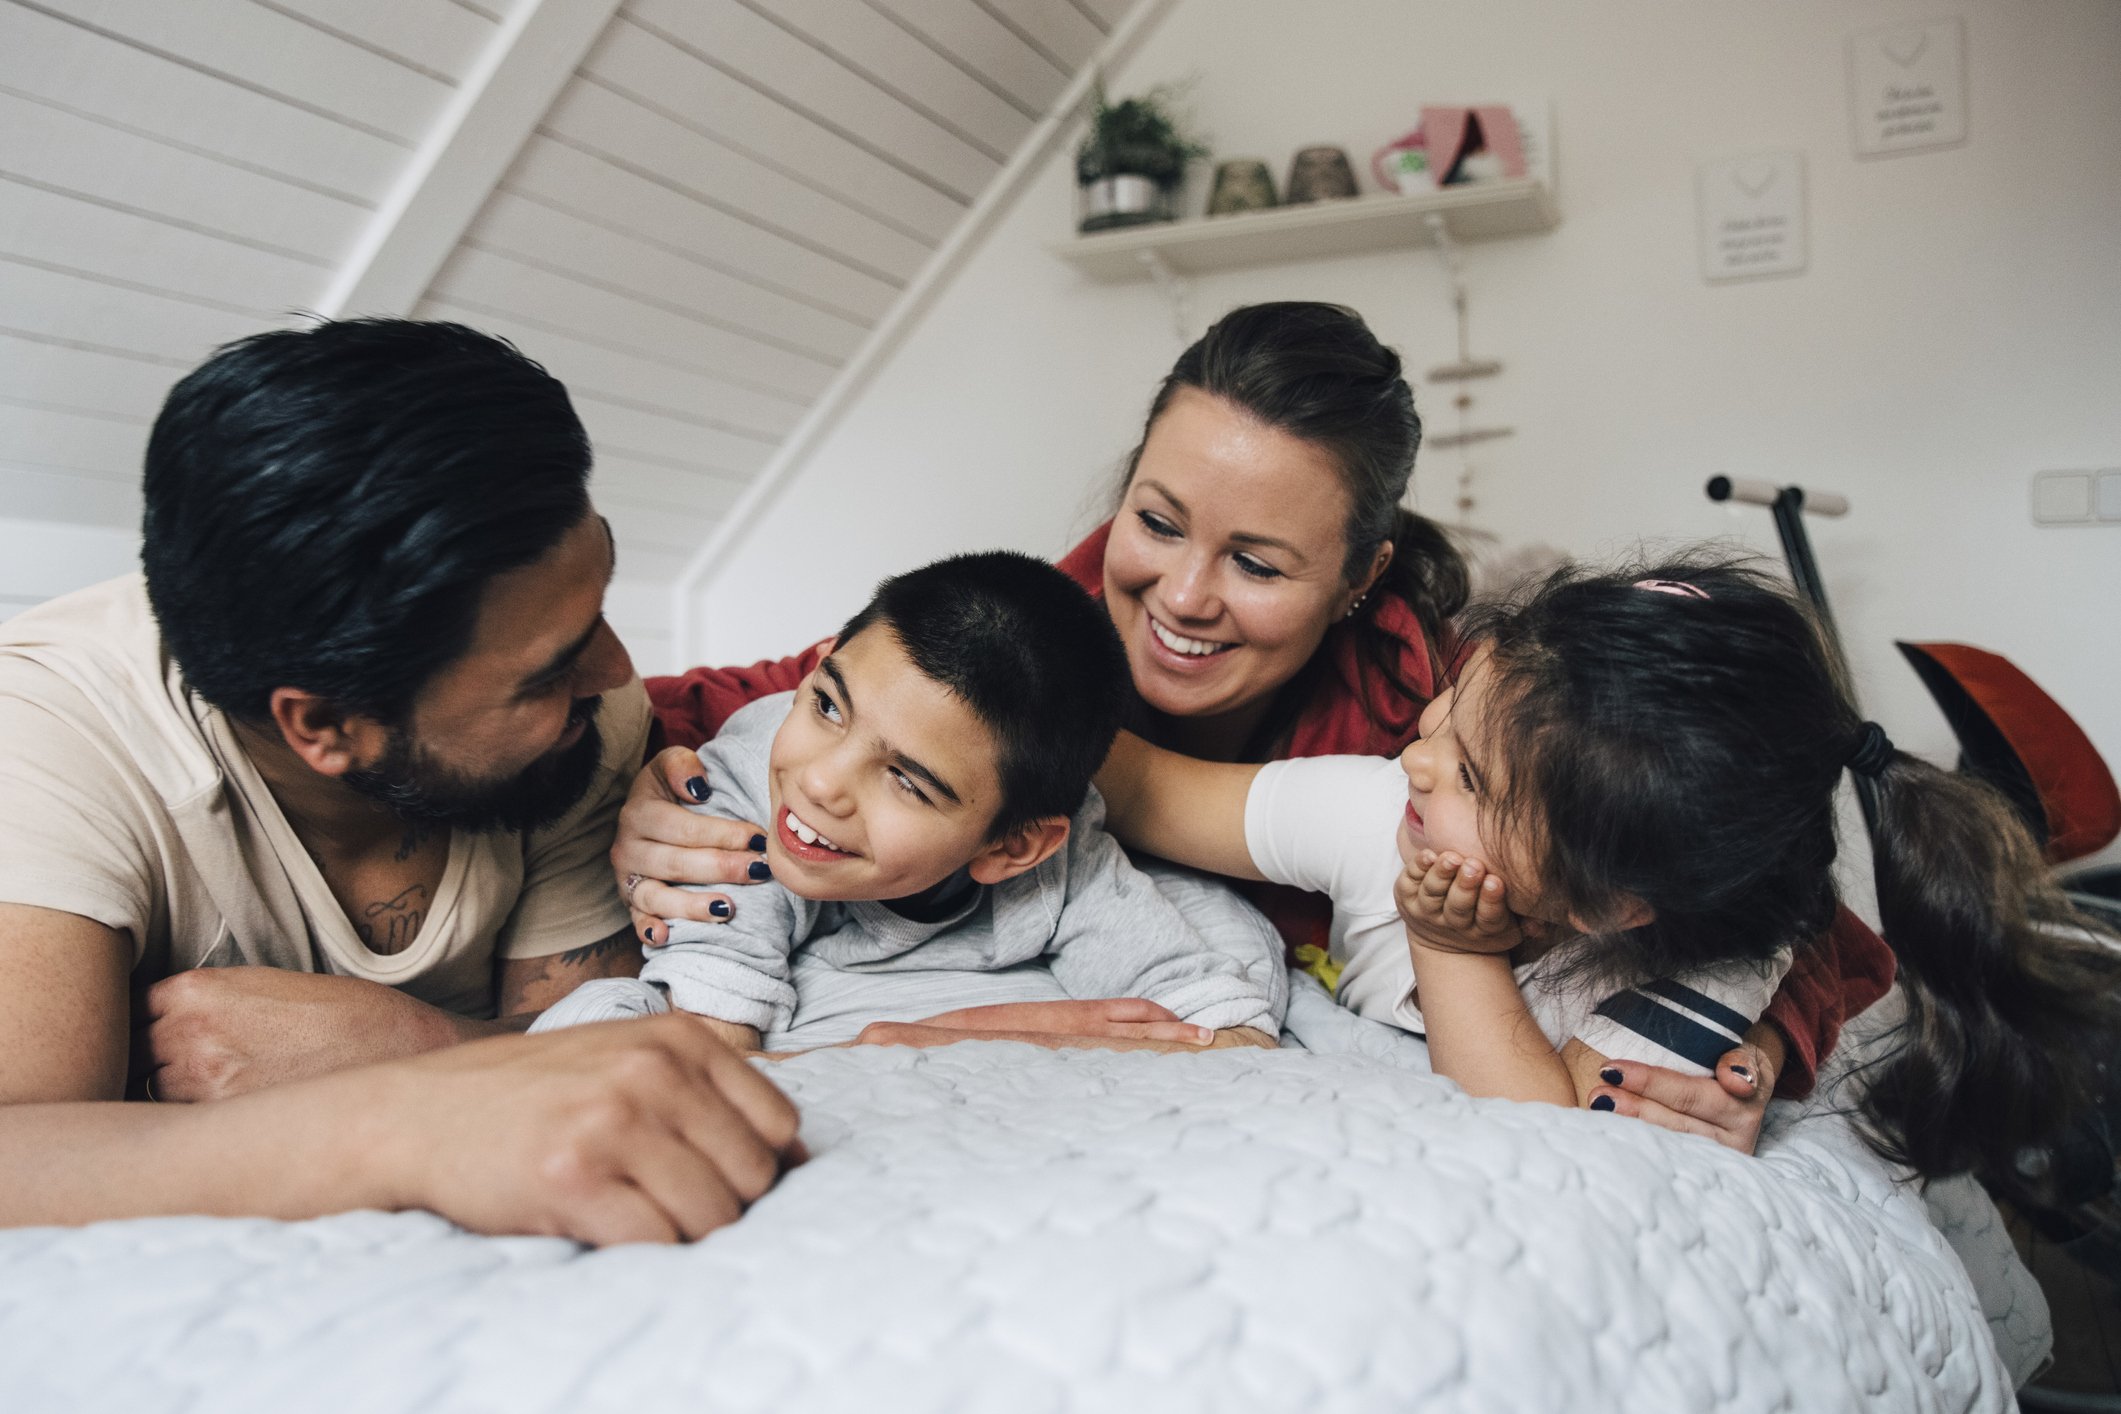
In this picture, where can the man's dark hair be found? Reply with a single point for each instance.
(1035, 658)
(325, 506)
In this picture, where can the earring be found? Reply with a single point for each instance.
(1357, 604)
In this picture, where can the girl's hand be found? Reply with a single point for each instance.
(1455, 905)
(1726, 1107)
(661, 843)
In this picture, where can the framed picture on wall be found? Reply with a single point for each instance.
(1907, 87)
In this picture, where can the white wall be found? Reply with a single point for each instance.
(1956, 329)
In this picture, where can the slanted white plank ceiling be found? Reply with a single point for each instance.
(703, 228)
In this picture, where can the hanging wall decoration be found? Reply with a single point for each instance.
(1752, 216)
(1460, 373)
(1907, 87)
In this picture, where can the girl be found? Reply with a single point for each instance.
(1611, 834)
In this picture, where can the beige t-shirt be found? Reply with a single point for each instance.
(125, 798)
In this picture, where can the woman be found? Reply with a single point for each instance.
(1276, 600)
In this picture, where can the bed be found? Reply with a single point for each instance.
(993, 1226)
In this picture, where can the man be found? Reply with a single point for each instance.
(333, 783)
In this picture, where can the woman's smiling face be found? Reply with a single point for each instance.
(1224, 567)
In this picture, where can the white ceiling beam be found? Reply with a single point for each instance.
(496, 108)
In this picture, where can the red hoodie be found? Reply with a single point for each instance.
(1355, 709)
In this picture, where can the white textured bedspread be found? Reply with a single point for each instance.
(994, 1227)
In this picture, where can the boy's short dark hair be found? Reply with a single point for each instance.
(1035, 658)
(325, 506)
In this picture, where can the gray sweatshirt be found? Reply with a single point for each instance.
(1087, 923)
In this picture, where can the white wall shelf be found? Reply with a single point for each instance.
(1470, 213)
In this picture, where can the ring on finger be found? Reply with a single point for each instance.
(633, 881)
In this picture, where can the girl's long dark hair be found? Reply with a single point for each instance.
(1316, 372)
(1682, 746)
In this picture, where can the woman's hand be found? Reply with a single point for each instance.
(1726, 1107)
(661, 843)
(1455, 905)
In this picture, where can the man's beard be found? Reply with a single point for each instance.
(422, 791)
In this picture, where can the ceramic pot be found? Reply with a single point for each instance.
(1242, 184)
(1126, 200)
(1320, 174)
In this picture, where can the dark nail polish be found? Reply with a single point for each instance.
(1743, 1072)
(720, 909)
(1603, 1104)
(697, 788)
(758, 844)
(648, 936)
(759, 871)
(1611, 1075)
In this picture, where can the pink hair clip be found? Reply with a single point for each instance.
(1672, 586)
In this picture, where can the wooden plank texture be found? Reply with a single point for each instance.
(45, 226)
(439, 38)
(1054, 27)
(751, 47)
(274, 54)
(39, 493)
(617, 375)
(65, 149)
(38, 371)
(866, 41)
(76, 68)
(737, 114)
(56, 438)
(86, 310)
(659, 436)
(497, 282)
(981, 45)
(656, 209)
(539, 235)
(609, 123)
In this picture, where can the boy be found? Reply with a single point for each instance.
(934, 841)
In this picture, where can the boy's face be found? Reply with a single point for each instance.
(891, 777)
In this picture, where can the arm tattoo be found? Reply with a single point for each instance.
(528, 985)
(602, 948)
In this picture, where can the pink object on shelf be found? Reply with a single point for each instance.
(1453, 134)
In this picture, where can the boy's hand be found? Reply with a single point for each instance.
(1128, 1018)
(1451, 904)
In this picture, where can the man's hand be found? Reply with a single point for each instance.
(631, 1131)
(1727, 1107)
(634, 1131)
(1452, 904)
(214, 1032)
(661, 843)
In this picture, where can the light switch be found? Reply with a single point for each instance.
(2062, 497)
(2109, 495)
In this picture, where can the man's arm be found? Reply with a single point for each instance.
(642, 1132)
(63, 1009)
(528, 985)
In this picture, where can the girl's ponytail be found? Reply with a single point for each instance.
(2010, 993)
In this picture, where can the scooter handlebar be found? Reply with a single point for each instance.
(1765, 493)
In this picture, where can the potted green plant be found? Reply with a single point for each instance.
(1133, 160)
